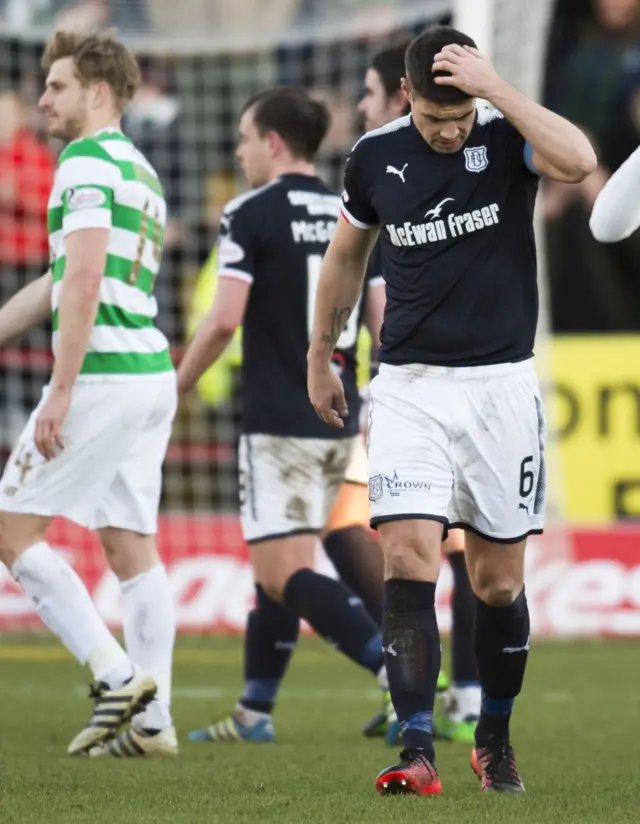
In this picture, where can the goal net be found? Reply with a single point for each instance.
(200, 61)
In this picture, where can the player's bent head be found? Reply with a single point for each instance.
(383, 99)
(444, 115)
(278, 127)
(419, 64)
(89, 77)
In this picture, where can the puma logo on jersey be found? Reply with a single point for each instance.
(391, 170)
(437, 211)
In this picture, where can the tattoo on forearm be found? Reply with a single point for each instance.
(339, 319)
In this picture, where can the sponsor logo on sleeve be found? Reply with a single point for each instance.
(85, 198)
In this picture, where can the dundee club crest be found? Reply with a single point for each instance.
(375, 488)
(475, 159)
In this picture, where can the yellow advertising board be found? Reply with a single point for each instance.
(594, 411)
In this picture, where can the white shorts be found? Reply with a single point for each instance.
(109, 473)
(357, 469)
(464, 446)
(287, 485)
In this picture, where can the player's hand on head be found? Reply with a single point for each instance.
(326, 393)
(470, 71)
(48, 434)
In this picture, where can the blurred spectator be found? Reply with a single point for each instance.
(594, 80)
(230, 19)
(127, 15)
(26, 175)
(593, 287)
(341, 136)
(153, 122)
(372, 19)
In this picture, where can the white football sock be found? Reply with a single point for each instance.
(249, 718)
(149, 633)
(464, 702)
(383, 679)
(65, 606)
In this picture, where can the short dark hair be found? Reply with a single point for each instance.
(300, 120)
(389, 63)
(419, 63)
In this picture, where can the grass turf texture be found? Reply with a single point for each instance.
(575, 731)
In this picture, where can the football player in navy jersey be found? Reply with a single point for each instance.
(456, 428)
(270, 250)
(458, 706)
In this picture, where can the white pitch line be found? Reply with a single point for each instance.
(195, 693)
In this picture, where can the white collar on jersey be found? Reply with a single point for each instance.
(107, 130)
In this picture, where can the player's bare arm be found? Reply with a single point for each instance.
(616, 212)
(86, 256)
(338, 320)
(375, 300)
(28, 307)
(339, 288)
(215, 332)
(561, 151)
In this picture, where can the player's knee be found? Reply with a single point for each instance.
(7, 552)
(404, 562)
(3, 534)
(496, 572)
(273, 578)
(274, 562)
(498, 593)
(274, 581)
(128, 554)
(410, 555)
(119, 563)
(15, 537)
(273, 587)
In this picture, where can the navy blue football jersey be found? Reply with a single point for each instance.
(456, 241)
(275, 238)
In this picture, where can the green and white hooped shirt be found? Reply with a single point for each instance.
(105, 182)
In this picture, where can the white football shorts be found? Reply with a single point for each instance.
(109, 473)
(463, 446)
(357, 469)
(288, 485)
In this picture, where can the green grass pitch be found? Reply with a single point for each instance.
(576, 731)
